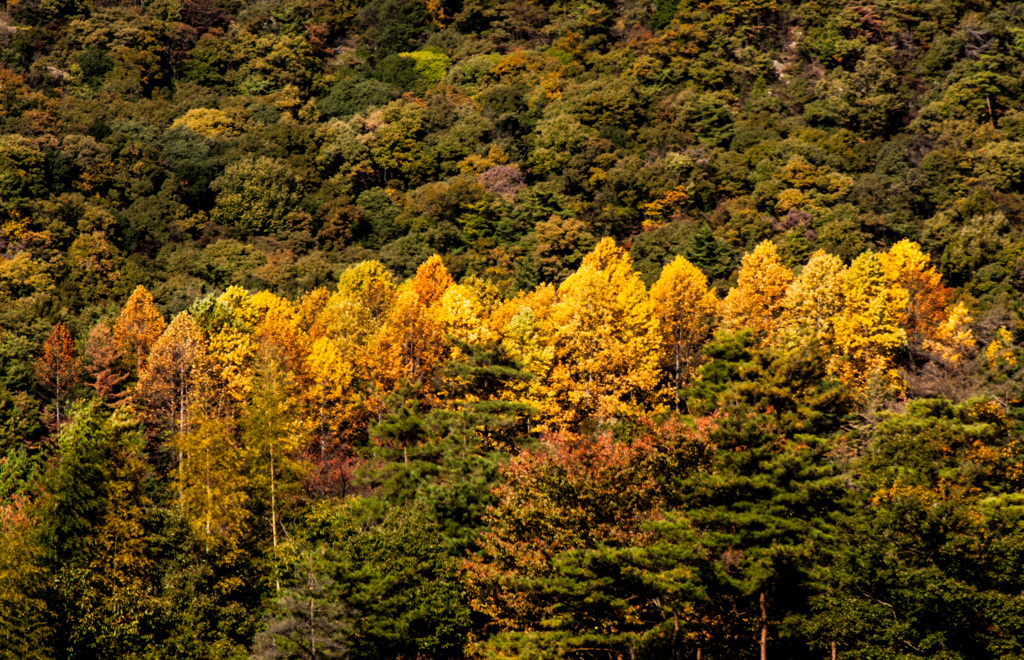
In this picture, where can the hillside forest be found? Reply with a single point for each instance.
(494, 329)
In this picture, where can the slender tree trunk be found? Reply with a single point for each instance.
(273, 514)
(833, 649)
(312, 630)
(209, 497)
(764, 628)
(56, 397)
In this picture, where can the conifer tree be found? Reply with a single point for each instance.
(167, 382)
(870, 328)
(105, 356)
(138, 327)
(59, 369)
(432, 279)
(815, 298)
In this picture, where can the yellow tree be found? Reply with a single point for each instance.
(342, 354)
(233, 344)
(462, 314)
(332, 396)
(527, 335)
(539, 301)
(272, 434)
(869, 330)
(279, 333)
(952, 340)
(756, 302)
(371, 284)
(686, 313)
(213, 482)
(139, 326)
(528, 342)
(606, 358)
(815, 298)
(907, 267)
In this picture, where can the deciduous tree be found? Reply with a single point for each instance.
(138, 327)
(686, 311)
(59, 369)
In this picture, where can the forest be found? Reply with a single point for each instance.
(496, 329)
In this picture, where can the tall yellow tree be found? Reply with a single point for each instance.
(213, 481)
(606, 340)
(908, 267)
(686, 312)
(756, 302)
(815, 298)
(371, 284)
(409, 345)
(273, 433)
(869, 330)
(138, 326)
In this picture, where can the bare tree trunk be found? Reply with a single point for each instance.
(764, 628)
(833, 649)
(273, 512)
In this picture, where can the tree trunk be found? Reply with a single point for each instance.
(764, 628)
(273, 513)
(833, 649)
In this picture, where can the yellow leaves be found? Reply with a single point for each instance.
(212, 482)
(605, 338)
(665, 209)
(1000, 350)
(906, 266)
(953, 338)
(869, 329)
(461, 313)
(756, 302)
(371, 284)
(686, 312)
(813, 300)
(208, 122)
(409, 344)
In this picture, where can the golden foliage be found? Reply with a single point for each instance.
(686, 314)
(138, 326)
(756, 302)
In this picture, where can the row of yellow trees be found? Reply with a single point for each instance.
(252, 378)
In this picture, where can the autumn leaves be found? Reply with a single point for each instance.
(599, 347)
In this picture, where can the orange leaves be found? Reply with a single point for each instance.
(906, 266)
(167, 383)
(138, 326)
(410, 342)
(431, 281)
(59, 367)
